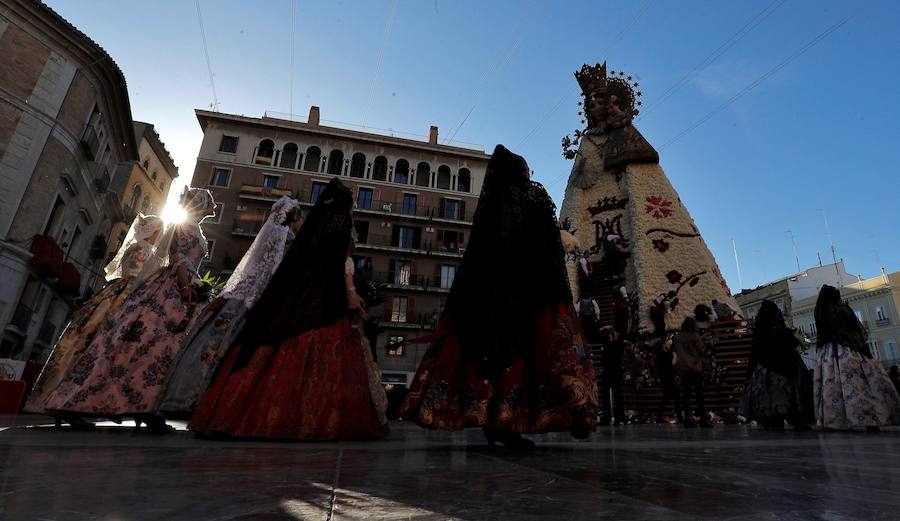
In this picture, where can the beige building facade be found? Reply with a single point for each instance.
(876, 302)
(146, 189)
(66, 133)
(413, 214)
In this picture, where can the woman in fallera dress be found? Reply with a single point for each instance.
(301, 369)
(851, 389)
(221, 321)
(128, 262)
(508, 355)
(778, 386)
(121, 372)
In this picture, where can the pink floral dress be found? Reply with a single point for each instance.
(80, 331)
(122, 370)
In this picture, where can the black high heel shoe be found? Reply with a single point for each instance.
(158, 425)
(513, 441)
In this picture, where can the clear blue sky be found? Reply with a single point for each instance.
(821, 133)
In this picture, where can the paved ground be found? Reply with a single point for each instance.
(635, 472)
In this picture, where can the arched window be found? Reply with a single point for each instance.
(358, 165)
(423, 174)
(313, 157)
(145, 205)
(135, 197)
(401, 172)
(464, 180)
(335, 162)
(289, 155)
(443, 178)
(379, 169)
(154, 175)
(265, 152)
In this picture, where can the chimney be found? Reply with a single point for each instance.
(432, 135)
(313, 120)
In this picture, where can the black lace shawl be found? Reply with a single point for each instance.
(774, 344)
(513, 267)
(307, 290)
(836, 322)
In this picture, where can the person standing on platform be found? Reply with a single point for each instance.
(689, 349)
(612, 380)
(666, 362)
(589, 311)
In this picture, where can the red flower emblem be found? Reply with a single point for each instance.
(658, 207)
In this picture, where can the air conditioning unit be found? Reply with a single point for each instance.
(386, 207)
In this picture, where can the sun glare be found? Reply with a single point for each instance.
(173, 213)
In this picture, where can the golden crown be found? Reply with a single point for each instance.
(592, 78)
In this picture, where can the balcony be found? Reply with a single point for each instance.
(263, 193)
(414, 321)
(47, 334)
(385, 242)
(411, 281)
(21, 319)
(246, 227)
(397, 208)
(881, 322)
(128, 214)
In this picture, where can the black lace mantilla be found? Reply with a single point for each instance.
(513, 267)
(307, 290)
(836, 322)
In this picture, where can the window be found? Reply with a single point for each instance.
(873, 346)
(210, 247)
(313, 157)
(317, 189)
(812, 328)
(409, 204)
(73, 244)
(401, 172)
(379, 169)
(879, 312)
(145, 205)
(362, 263)
(859, 314)
(270, 181)
(402, 272)
(154, 175)
(217, 218)
(400, 309)
(362, 231)
(146, 164)
(395, 346)
(450, 209)
(335, 162)
(228, 144)
(358, 165)
(443, 177)
(364, 198)
(135, 197)
(407, 237)
(55, 216)
(265, 152)
(890, 350)
(464, 180)
(220, 178)
(423, 174)
(448, 273)
(289, 156)
(449, 240)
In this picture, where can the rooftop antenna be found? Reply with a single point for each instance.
(737, 262)
(293, 15)
(831, 242)
(794, 244)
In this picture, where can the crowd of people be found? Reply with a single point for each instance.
(282, 352)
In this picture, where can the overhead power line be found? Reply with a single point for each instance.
(502, 58)
(768, 74)
(388, 29)
(212, 83)
(746, 29)
(609, 47)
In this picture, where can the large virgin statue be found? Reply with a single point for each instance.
(625, 213)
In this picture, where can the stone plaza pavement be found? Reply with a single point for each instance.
(643, 472)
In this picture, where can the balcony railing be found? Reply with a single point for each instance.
(384, 206)
(90, 143)
(101, 181)
(247, 228)
(264, 192)
(411, 280)
(413, 321)
(886, 321)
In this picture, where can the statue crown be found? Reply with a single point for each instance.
(592, 78)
